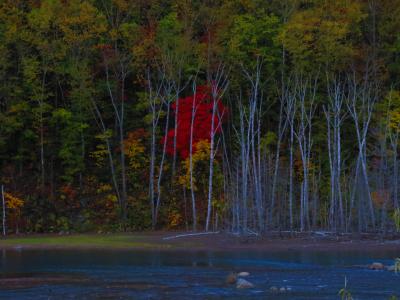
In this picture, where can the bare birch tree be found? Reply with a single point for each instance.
(360, 104)
(156, 110)
(218, 85)
(335, 116)
(305, 93)
(290, 110)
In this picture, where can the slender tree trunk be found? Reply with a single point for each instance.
(334, 118)
(304, 137)
(109, 151)
(395, 180)
(124, 195)
(381, 179)
(42, 162)
(211, 166)
(4, 210)
(281, 130)
(360, 106)
(290, 115)
(291, 178)
(332, 170)
(161, 168)
(119, 119)
(368, 190)
(194, 213)
(218, 86)
(244, 167)
(339, 177)
(151, 175)
(175, 132)
(354, 191)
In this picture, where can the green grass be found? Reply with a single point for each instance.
(84, 240)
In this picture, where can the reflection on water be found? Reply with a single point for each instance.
(107, 274)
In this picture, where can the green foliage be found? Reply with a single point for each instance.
(393, 106)
(268, 141)
(344, 293)
(390, 36)
(93, 240)
(139, 210)
(71, 132)
(324, 34)
(252, 38)
(177, 50)
(396, 219)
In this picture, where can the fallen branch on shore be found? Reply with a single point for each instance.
(189, 234)
(252, 232)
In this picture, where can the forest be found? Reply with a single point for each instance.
(249, 116)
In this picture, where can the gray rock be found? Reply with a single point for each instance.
(243, 274)
(376, 266)
(390, 268)
(243, 284)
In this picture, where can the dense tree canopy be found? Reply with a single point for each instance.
(244, 115)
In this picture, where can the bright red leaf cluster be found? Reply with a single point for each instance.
(202, 102)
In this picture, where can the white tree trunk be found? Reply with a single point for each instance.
(4, 210)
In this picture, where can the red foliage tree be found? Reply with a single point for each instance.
(202, 105)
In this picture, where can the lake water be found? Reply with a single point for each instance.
(111, 274)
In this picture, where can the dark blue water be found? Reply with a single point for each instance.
(108, 274)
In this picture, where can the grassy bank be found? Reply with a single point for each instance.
(220, 241)
(83, 240)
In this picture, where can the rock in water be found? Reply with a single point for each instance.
(243, 284)
(243, 274)
(273, 289)
(390, 268)
(231, 279)
(376, 266)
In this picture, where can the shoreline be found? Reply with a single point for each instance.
(162, 241)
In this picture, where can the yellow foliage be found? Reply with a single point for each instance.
(380, 197)
(112, 198)
(219, 204)
(202, 150)
(321, 33)
(80, 22)
(394, 113)
(107, 189)
(395, 120)
(103, 188)
(123, 5)
(201, 153)
(99, 155)
(13, 202)
(174, 219)
(134, 149)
